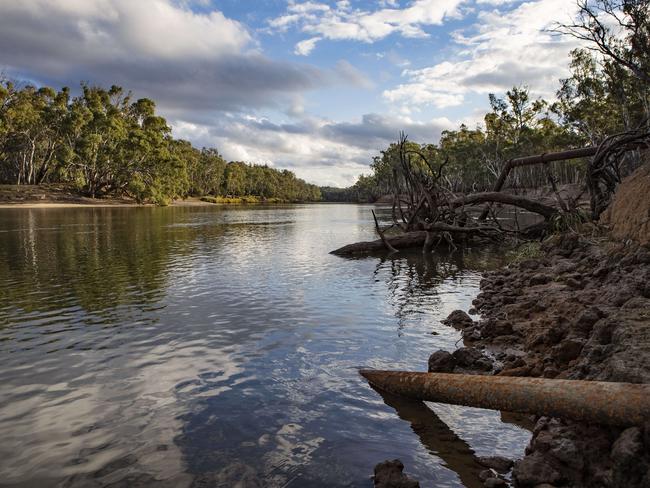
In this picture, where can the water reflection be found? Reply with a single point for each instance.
(437, 437)
(209, 346)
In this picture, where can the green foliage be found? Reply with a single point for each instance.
(472, 159)
(568, 221)
(600, 98)
(105, 144)
(526, 250)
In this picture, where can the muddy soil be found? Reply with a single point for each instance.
(579, 311)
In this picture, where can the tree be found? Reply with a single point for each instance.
(617, 29)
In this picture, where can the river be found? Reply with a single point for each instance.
(210, 346)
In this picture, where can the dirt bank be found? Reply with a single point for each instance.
(628, 216)
(579, 309)
(62, 196)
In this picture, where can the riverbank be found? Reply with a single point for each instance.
(62, 196)
(576, 306)
(581, 310)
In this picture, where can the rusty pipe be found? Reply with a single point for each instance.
(621, 404)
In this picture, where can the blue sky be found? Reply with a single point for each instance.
(317, 86)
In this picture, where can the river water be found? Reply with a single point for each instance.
(214, 346)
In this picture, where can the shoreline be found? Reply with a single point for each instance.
(62, 196)
(98, 203)
(578, 310)
(107, 203)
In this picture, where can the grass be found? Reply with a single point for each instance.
(248, 199)
(527, 250)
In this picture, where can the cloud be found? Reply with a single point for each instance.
(353, 75)
(303, 48)
(341, 22)
(503, 49)
(318, 150)
(186, 61)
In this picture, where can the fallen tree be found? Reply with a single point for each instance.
(427, 213)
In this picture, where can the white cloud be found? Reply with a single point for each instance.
(503, 49)
(353, 75)
(303, 48)
(186, 61)
(318, 150)
(155, 28)
(321, 21)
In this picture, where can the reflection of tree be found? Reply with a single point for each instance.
(413, 277)
(438, 438)
(95, 258)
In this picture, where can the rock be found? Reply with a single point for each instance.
(540, 279)
(468, 357)
(520, 371)
(389, 475)
(567, 350)
(486, 473)
(529, 264)
(534, 470)
(565, 450)
(494, 483)
(587, 319)
(498, 463)
(574, 283)
(441, 362)
(642, 257)
(458, 319)
(555, 334)
(471, 334)
(496, 328)
(627, 447)
(601, 270)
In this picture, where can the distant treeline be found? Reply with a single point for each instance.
(105, 144)
(600, 98)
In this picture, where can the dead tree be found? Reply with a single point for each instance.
(428, 213)
(608, 166)
(537, 159)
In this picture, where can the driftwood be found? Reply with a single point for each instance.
(413, 239)
(425, 210)
(384, 241)
(605, 171)
(607, 403)
(505, 198)
(402, 241)
(537, 159)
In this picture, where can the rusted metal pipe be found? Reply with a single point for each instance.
(621, 404)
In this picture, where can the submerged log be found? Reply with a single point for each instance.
(620, 404)
(409, 239)
(403, 241)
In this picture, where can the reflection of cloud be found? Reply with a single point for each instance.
(121, 417)
(292, 450)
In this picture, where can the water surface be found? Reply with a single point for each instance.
(211, 346)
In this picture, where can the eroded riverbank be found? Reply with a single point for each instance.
(581, 310)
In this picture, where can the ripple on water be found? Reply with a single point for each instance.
(198, 346)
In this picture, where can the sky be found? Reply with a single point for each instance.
(317, 87)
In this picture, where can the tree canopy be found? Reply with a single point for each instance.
(607, 92)
(106, 144)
